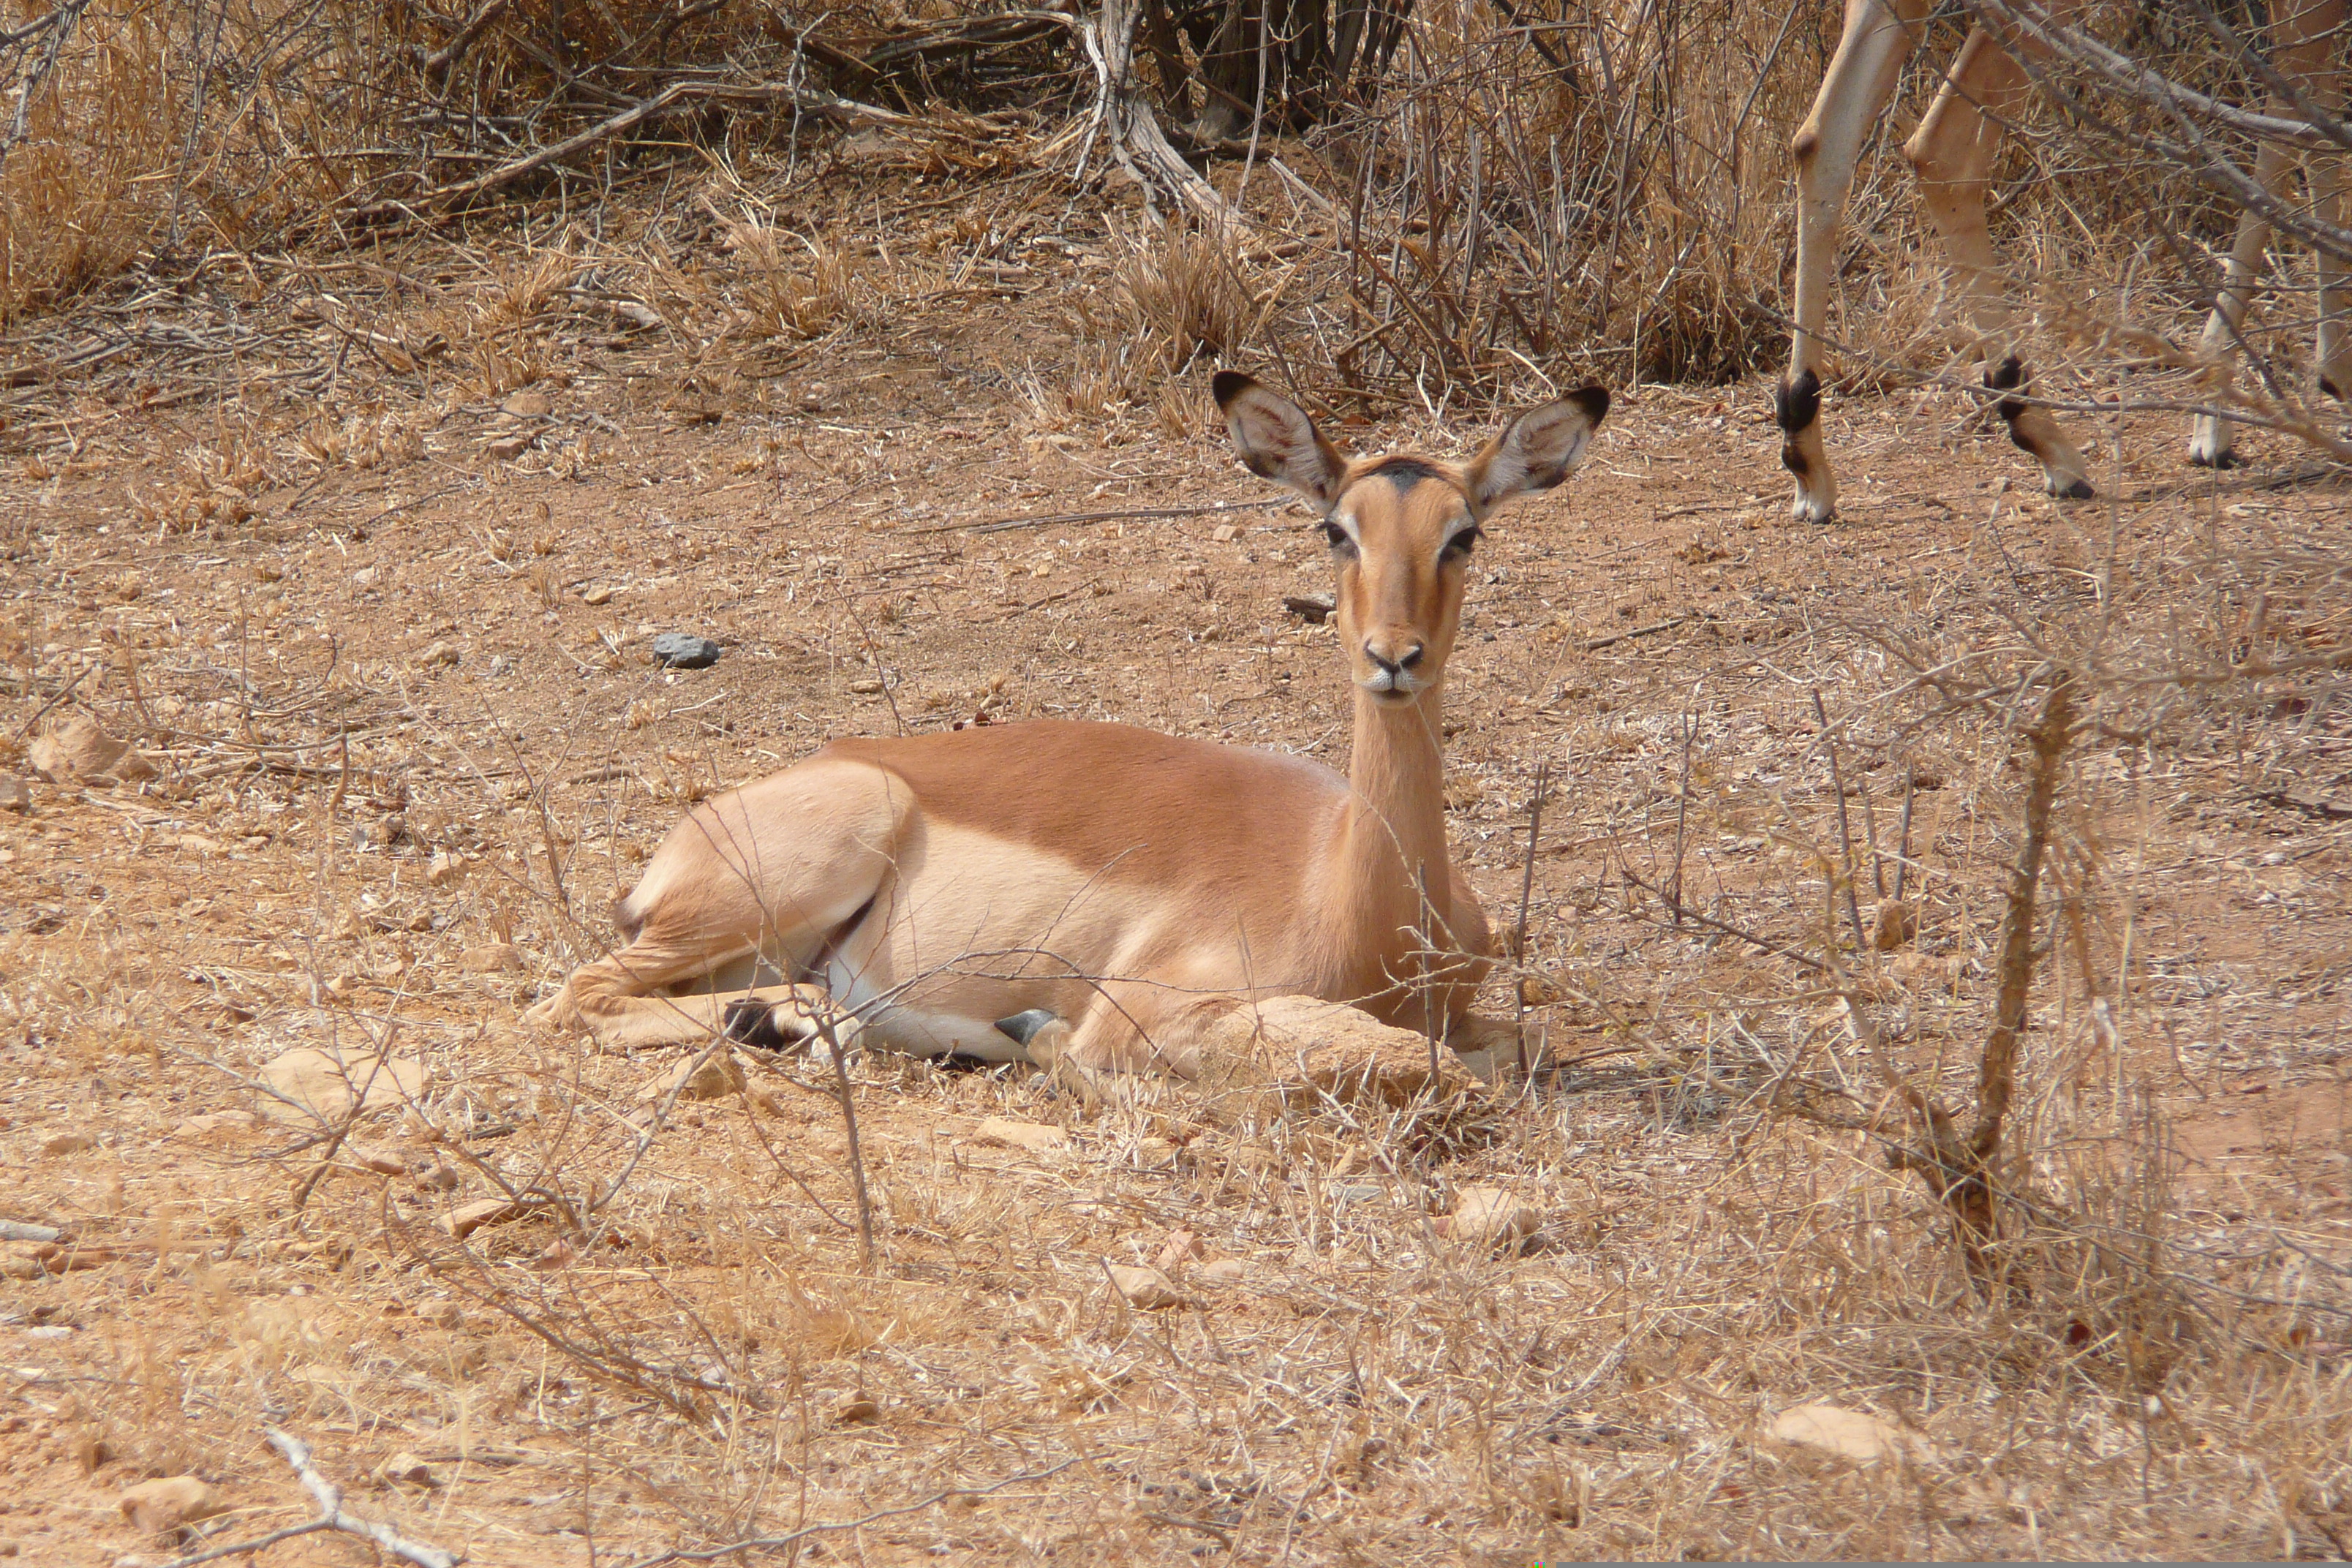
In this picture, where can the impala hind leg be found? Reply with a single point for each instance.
(1952, 154)
(784, 872)
(2211, 438)
(1879, 35)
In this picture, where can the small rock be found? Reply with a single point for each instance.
(321, 1084)
(49, 1331)
(1223, 1272)
(443, 868)
(440, 1177)
(213, 1123)
(1180, 1249)
(1224, 534)
(1851, 1434)
(857, 1411)
(1312, 610)
(683, 650)
(167, 1504)
(367, 577)
(1146, 1287)
(68, 1143)
(1005, 1132)
(466, 1218)
(14, 796)
(407, 1469)
(601, 593)
(10, 1546)
(1154, 1153)
(439, 655)
(1489, 1216)
(442, 1313)
(80, 751)
(382, 1162)
(715, 1077)
(1894, 923)
(510, 446)
(490, 959)
(528, 405)
(869, 687)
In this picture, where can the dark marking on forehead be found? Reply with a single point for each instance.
(1404, 472)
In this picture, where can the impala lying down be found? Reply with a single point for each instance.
(1099, 891)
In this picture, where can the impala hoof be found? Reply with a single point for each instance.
(752, 1021)
(1022, 1027)
(2072, 490)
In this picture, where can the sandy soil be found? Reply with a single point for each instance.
(405, 715)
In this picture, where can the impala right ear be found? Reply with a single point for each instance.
(1277, 441)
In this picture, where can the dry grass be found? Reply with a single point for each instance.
(526, 447)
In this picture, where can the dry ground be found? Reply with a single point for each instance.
(395, 676)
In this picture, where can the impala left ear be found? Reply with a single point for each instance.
(1538, 449)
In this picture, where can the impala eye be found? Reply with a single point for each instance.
(1458, 547)
(1337, 537)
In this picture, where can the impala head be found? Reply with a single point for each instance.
(1401, 528)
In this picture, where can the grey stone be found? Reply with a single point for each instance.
(683, 650)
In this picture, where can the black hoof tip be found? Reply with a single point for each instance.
(752, 1023)
(2079, 490)
(2327, 384)
(2224, 459)
(1022, 1027)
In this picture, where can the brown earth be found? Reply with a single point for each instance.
(398, 686)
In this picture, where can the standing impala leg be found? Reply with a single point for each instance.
(2210, 437)
(1952, 154)
(1879, 35)
(2303, 37)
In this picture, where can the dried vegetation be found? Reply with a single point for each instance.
(1932, 953)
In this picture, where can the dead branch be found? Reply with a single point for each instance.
(439, 63)
(802, 101)
(1124, 116)
(1958, 1169)
(334, 1516)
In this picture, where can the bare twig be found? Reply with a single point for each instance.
(334, 1516)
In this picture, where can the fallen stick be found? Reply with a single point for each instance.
(331, 1515)
(1596, 644)
(1006, 524)
(802, 101)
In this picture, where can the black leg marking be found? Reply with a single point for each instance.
(2225, 459)
(752, 1022)
(2008, 376)
(1797, 405)
(2327, 384)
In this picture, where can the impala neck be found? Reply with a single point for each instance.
(1395, 824)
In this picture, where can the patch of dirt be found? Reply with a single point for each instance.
(411, 741)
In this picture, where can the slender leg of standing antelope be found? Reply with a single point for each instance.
(1879, 35)
(2302, 38)
(1952, 154)
(2210, 438)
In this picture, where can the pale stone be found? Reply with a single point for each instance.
(1146, 1287)
(1181, 1247)
(466, 1218)
(1297, 1050)
(214, 1123)
(1851, 1434)
(443, 869)
(857, 1411)
(1489, 1216)
(528, 405)
(14, 796)
(167, 1504)
(64, 1143)
(490, 958)
(382, 1162)
(1005, 1132)
(1223, 1272)
(79, 750)
(321, 1084)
